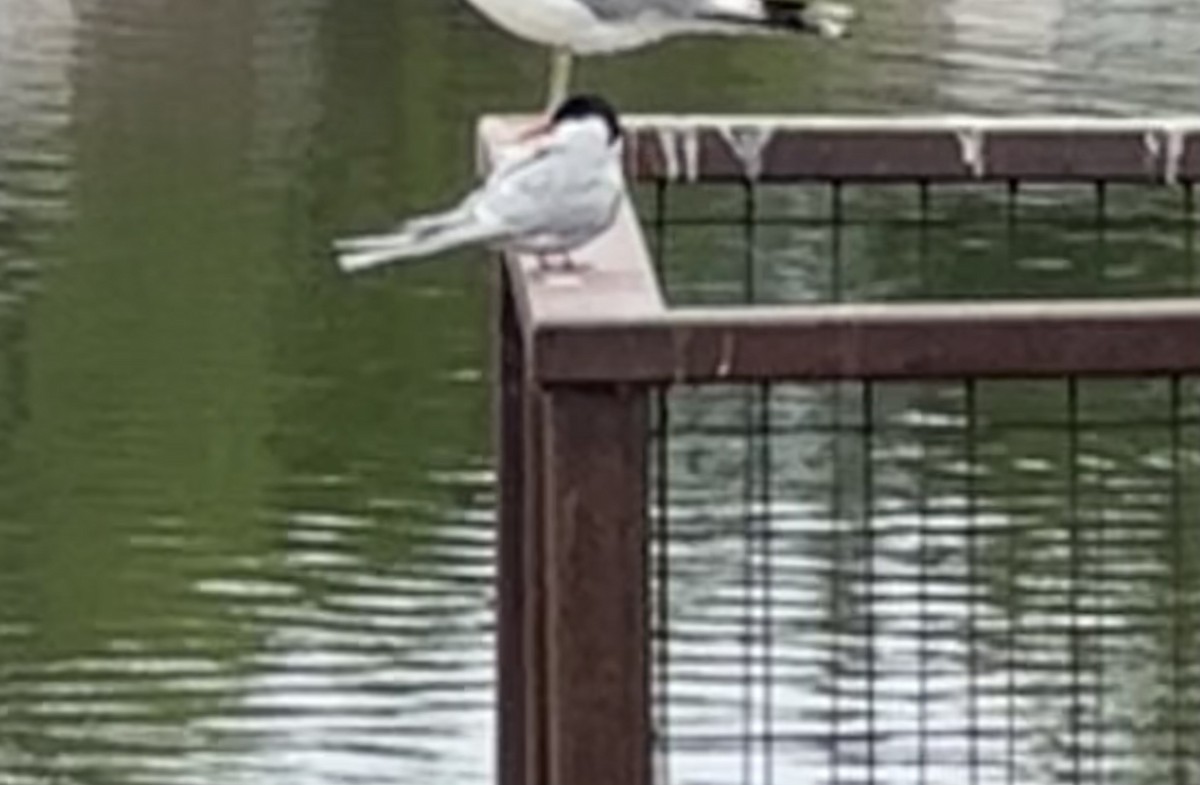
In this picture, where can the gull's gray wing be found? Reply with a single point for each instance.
(826, 18)
(620, 10)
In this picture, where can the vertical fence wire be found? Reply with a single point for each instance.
(836, 509)
(1012, 197)
(1074, 527)
(1179, 766)
(1099, 210)
(1097, 647)
(972, 537)
(837, 222)
(749, 516)
(766, 528)
(1191, 273)
(923, 207)
(1012, 625)
(867, 416)
(923, 552)
(766, 541)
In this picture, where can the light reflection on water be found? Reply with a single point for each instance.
(245, 504)
(956, 628)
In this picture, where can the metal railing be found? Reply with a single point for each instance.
(600, 380)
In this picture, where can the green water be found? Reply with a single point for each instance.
(246, 503)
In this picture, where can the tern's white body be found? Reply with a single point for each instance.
(548, 198)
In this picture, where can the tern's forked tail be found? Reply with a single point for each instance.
(417, 238)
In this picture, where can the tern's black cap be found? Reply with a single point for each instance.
(580, 106)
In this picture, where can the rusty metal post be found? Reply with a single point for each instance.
(597, 698)
(513, 615)
(533, 582)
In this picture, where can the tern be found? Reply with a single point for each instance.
(559, 189)
(590, 27)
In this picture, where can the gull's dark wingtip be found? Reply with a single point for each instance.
(826, 19)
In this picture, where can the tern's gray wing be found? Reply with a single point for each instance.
(560, 189)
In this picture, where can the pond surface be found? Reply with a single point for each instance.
(245, 503)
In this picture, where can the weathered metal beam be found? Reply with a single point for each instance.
(533, 589)
(944, 149)
(954, 148)
(597, 661)
(513, 613)
(901, 341)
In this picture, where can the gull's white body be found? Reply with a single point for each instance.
(549, 198)
(568, 24)
(589, 27)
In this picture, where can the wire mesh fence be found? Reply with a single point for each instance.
(962, 581)
(953, 582)
(910, 543)
(857, 242)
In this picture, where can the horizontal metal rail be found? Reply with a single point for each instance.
(901, 341)
(943, 149)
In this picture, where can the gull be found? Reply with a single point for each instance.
(559, 189)
(590, 27)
